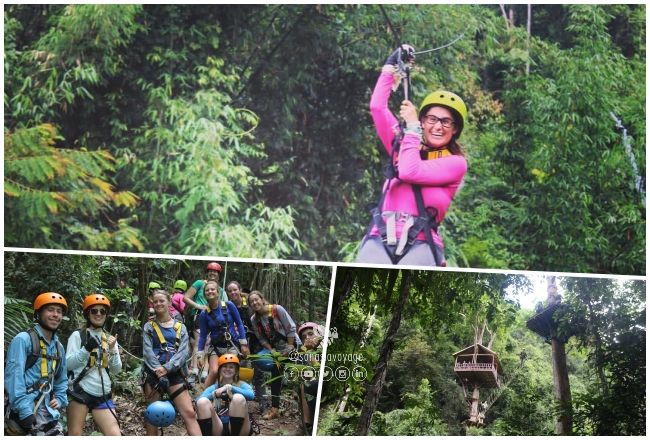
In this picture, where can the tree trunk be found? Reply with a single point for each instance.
(346, 288)
(561, 386)
(344, 402)
(598, 343)
(373, 391)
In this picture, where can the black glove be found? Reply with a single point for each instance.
(91, 343)
(163, 384)
(28, 423)
(408, 55)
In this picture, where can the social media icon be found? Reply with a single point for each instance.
(342, 373)
(292, 374)
(308, 373)
(294, 356)
(359, 373)
(328, 373)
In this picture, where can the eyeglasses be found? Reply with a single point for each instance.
(445, 122)
(98, 311)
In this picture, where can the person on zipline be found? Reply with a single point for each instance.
(35, 372)
(428, 167)
(91, 355)
(165, 348)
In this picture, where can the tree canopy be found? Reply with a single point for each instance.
(603, 321)
(243, 130)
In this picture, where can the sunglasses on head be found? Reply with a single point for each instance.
(98, 311)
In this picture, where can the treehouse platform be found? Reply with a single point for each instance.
(477, 365)
(542, 323)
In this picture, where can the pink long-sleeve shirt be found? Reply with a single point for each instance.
(439, 178)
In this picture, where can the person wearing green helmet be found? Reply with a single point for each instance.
(428, 167)
(180, 286)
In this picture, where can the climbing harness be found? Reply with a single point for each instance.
(412, 226)
(164, 345)
(221, 406)
(43, 384)
(269, 329)
(92, 360)
(227, 336)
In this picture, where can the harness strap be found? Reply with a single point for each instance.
(224, 310)
(177, 393)
(431, 223)
(177, 328)
(163, 342)
(390, 218)
(92, 361)
(404, 238)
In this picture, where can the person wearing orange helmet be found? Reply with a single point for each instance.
(92, 354)
(222, 408)
(195, 298)
(35, 372)
(427, 167)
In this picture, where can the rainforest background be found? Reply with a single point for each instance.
(406, 326)
(243, 130)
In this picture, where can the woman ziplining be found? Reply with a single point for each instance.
(426, 169)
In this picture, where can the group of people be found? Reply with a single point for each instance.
(236, 336)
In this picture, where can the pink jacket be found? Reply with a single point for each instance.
(439, 178)
(177, 302)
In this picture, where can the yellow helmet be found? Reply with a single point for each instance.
(450, 100)
(246, 374)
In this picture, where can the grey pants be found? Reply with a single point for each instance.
(372, 251)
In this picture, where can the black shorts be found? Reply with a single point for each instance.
(175, 378)
(92, 402)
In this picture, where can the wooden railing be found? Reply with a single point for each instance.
(478, 366)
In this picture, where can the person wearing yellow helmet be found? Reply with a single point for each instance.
(427, 169)
(222, 408)
(35, 373)
(92, 354)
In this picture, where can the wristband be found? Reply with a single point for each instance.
(413, 128)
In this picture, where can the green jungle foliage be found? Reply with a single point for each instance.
(603, 321)
(244, 130)
(303, 290)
